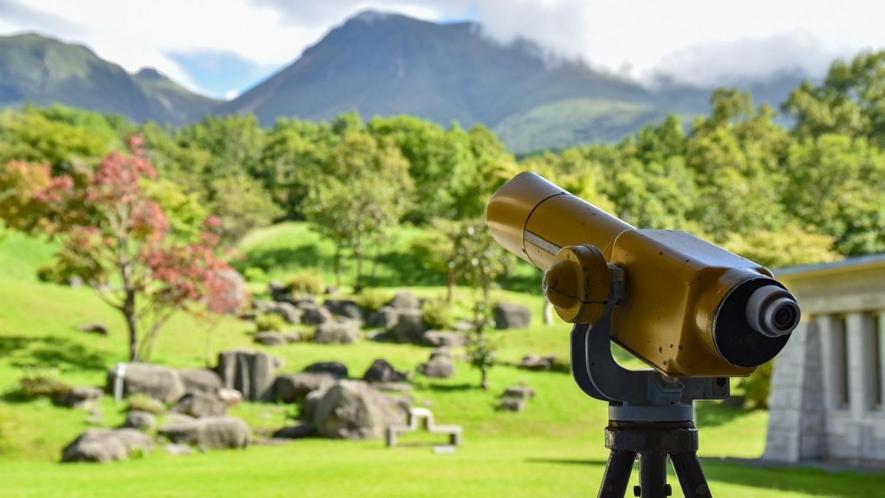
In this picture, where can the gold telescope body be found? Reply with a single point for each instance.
(691, 308)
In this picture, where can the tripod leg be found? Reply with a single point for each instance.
(617, 474)
(653, 474)
(691, 477)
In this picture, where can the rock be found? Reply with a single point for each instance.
(279, 292)
(535, 362)
(299, 431)
(288, 311)
(270, 338)
(464, 326)
(158, 382)
(101, 445)
(511, 404)
(409, 326)
(250, 372)
(521, 392)
(511, 316)
(384, 318)
(514, 398)
(314, 315)
(143, 403)
(337, 333)
(334, 368)
(209, 433)
(78, 397)
(439, 365)
(438, 338)
(200, 405)
(382, 371)
(178, 449)
(293, 388)
(405, 301)
(231, 397)
(292, 337)
(344, 308)
(142, 421)
(201, 380)
(353, 410)
(173, 418)
(304, 303)
(311, 401)
(94, 328)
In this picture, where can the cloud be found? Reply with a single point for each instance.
(217, 72)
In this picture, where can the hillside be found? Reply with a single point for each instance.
(40, 70)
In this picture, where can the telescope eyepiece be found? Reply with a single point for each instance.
(772, 311)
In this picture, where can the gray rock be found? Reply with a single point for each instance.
(201, 380)
(288, 311)
(292, 337)
(178, 449)
(299, 431)
(314, 315)
(279, 292)
(514, 398)
(438, 338)
(382, 371)
(409, 326)
(142, 421)
(97, 445)
(311, 401)
(405, 301)
(78, 397)
(209, 433)
(200, 405)
(304, 303)
(439, 365)
(511, 316)
(521, 392)
(250, 372)
(511, 404)
(334, 368)
(94, 328)
(270, 338)
(384, 318)
(337, 333)
(293, 388)
(158, 382)
(353, 410)
(344, 308)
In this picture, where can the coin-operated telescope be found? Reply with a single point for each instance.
(693, 311)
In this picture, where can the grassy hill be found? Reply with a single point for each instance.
(553, 449)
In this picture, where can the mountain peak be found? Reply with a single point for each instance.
(150, 74)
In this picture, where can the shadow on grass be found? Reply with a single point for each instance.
(283, 257)
(568, 461)
(447, 388)
(712, 414)
(49, 352)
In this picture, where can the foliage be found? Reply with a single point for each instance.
(757, 386)
(269, 322)
(42, 386)
(439, 314)
(144, 403)
(481, 350)
(373, 299)
(307, 282)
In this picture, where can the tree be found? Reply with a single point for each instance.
(480, 348)
(118, 239)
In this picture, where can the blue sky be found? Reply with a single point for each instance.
(222, 47)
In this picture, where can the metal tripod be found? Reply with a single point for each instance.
(650, 415)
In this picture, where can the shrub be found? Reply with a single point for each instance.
(269, 322)
(40, 386)
(757, 386)
(373, 299)
(307, 282)
(144, 403)
(254, 274)
(438, 314)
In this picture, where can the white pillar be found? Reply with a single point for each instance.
(860, 328)
(829, 327)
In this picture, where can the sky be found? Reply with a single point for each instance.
(223, 47)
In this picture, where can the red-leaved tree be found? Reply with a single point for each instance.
(117, 239)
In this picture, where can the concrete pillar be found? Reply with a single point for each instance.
(860, 328)
(830, 327)
(880, 332)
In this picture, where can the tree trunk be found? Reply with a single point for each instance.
(484, 379)
(450, 289)
(128, 311)
(372, 271)
(358, 256)
(337, 260)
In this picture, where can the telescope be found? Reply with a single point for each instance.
(694, 312)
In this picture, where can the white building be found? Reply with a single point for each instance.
(828, 383)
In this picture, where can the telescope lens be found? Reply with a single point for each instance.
(772, 311)
(785, 317)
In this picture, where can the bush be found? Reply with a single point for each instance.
(373, 299)
(144, 403)
(43, 386)
(269, 322)
(307, 282)
(254, 274)
(438, 314)
(757, 386)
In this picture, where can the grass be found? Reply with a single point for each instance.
(553, 448)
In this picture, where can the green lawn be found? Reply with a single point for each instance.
(554, 448)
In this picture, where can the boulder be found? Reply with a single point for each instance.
(521, 392)
(511, 316)
(405, 301)
(514, 398)
(101, 445)
(382, 371)
(409, 326)
(200, 405)
(279, 291)
(299, 431)
(315, 315)
(142, 421)
(334, 368)
(511, 404)
(439, 365)
(78, 397)
(353, 410)
(542, 363)
(250, 372)
(178, 449)
(269, 338)
(288, 311)
(384, 318)
(438, 338)
(344, 308)
(94, 328)
(231, 397)
(337, 333)
(200, 380)
(292, 337)
(293, 388)
(208, 433)
(160, 383)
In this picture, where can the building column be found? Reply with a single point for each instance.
(829, 327)
(860, 328)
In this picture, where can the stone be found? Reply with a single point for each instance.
(382, 371)
(250, 372)
(511, 316)
(231, 397)
(78, 397)
(178, 449)
(158, 382)
(334, 368)
(200, 380)
(315, 315)
(384, 318)
(535, 362)
(353, 410)
(514, 398)
(200, 405)
(299, 431)
(209, 433)
(102, 445)
(405, 301)
(409, 326)
(439, 365)
(337, 333)
(269, 338)
(142, 421)
(279, 291)
(511, 404)
(293, 388)
(292, 337)
(521, 392)
(344, 308)
(438, 338)
(94, 328)
(288, 311)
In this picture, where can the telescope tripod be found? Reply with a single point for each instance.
(650, 415)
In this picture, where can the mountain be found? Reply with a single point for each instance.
(40, 70)
(384, 64)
